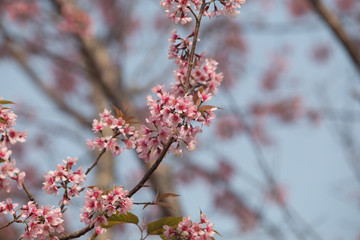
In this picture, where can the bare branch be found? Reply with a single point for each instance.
(76, 234)
(152, 169)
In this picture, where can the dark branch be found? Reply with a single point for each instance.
(338, 29)
(152, 169)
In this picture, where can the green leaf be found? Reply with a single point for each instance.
(6, 102)
(121, 218)
(156, 228)
(2, 160)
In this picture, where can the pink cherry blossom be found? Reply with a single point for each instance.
(103, 205)
(187, 229)
(7, 207)
(121, 132)
(65, 177)
(41, 222)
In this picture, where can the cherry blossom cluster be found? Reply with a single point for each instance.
(170, 117)
(204, 81)
(75, 20)
(65, 177)
(8, 135)
(8, 207)
(100, 205)
(179, 51)
(203, 75)
(9, 171)
(179, 10)
(41, 223)
(188, 229)
(120, 130)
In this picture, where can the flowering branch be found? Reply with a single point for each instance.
(172, 119)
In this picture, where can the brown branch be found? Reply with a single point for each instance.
(338, 29)
(96, 161)
(76, 234)
(152, 169)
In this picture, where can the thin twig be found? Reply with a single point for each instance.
(96, 161)
(8, 224)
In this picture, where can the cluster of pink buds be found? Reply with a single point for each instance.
(179, 10)
(41, 223)
(65, 177)
(188, 229)
(120, 130)
(8, 135)
(100, 205)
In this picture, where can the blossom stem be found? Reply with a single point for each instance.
(192, 53)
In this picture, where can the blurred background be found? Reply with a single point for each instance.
(280, 161)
